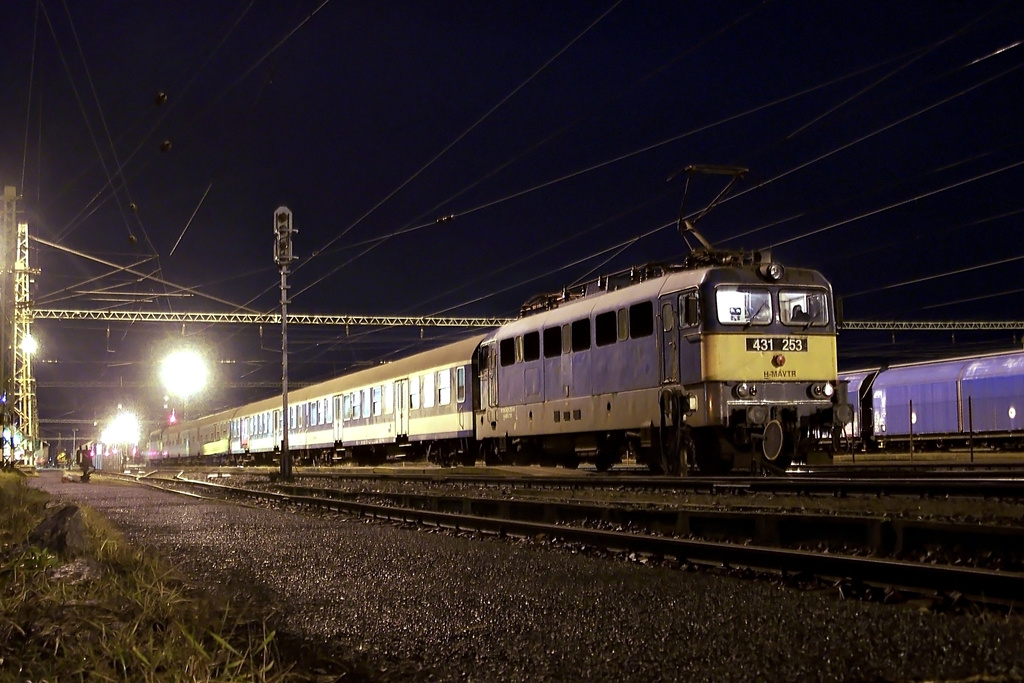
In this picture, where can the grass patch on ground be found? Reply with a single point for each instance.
(115, 613)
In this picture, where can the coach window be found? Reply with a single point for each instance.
(605, 328)
(531, 346)
(444, 387)
(428, 390)
(507, 351)
(365, 394)
(552, 342)
(375, 400)
(622, 324)
(641, 320)
(389, 398)
(414, 392)
(581, 335)
(328, 411)
(744, 306)
(460, 385)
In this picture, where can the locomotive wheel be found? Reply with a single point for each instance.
(672, 451)
(489, 453)
(609, 452)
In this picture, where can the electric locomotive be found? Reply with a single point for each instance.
(727, 360)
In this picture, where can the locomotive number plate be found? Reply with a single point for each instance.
(786, 344)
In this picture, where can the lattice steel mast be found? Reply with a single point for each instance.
(26, 410)
(20, 411)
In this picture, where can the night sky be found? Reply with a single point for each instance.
(456, 158)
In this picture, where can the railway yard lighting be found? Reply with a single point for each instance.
(184, 374)
(122, 433)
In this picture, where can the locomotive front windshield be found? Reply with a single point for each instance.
(803, 307)
(744, 305)
(740, 305)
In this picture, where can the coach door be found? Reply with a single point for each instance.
(487, 362)
(669, 340)
(339, 417)
(402, 408)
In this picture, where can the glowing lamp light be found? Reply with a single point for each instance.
(29, 344)
(183, 373)
(124, 428)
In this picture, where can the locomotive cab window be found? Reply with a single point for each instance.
(689, 309)
(744, 306)
(803, 308)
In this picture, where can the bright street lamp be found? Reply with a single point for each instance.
(184, 374)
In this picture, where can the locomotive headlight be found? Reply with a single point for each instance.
(821, 390)
(772, 271)
(745, 390)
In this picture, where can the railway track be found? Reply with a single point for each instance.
(919, 555)
(834, 483)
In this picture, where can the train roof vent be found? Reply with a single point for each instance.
(604, 283)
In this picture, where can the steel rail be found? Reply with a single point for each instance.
(999, 486)
(977, 584)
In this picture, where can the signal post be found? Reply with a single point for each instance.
(283, 256)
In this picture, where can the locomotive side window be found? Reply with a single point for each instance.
(581, 335)
(622, 323)
(531, 346)
(507, 351)
(605, 328)
(803, 308)
(689, 309)
(552, 342)
(641, 320)
(744, 306)
(566, 338)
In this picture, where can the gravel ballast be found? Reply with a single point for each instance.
(419, 604)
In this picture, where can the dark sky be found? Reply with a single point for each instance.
(884, 141)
